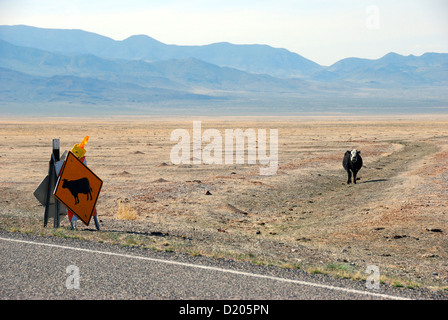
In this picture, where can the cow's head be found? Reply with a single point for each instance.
(354, 155)
(64, 183)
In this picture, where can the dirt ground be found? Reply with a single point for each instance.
(304, 216)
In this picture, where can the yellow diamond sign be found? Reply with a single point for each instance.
(78, 188)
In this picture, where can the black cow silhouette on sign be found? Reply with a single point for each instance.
(78, 186)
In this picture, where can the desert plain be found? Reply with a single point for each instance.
(304, 216)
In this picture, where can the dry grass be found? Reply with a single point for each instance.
(304, 216)
(125, 211)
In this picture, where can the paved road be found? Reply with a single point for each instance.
(46, 268)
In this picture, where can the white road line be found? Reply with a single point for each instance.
(190, 265)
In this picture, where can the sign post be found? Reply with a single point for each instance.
(55, 158)
(49, 191)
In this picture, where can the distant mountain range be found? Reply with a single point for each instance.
(73, 68)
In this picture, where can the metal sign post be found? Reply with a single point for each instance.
(55, 158)
(51, 180)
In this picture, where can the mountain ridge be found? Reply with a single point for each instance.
(143, 47)
(143, 70)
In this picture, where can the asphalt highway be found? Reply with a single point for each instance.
(37, 268)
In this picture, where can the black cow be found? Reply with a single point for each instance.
(78, 186)
(352, 163)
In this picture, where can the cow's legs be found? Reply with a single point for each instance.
(354, 176)
(349, 180)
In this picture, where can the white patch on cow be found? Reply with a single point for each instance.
(353, 155)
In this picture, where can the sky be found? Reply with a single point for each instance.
(323, 31)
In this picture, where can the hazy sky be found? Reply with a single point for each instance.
(321, 30)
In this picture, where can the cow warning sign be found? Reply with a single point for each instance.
(78, 188)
